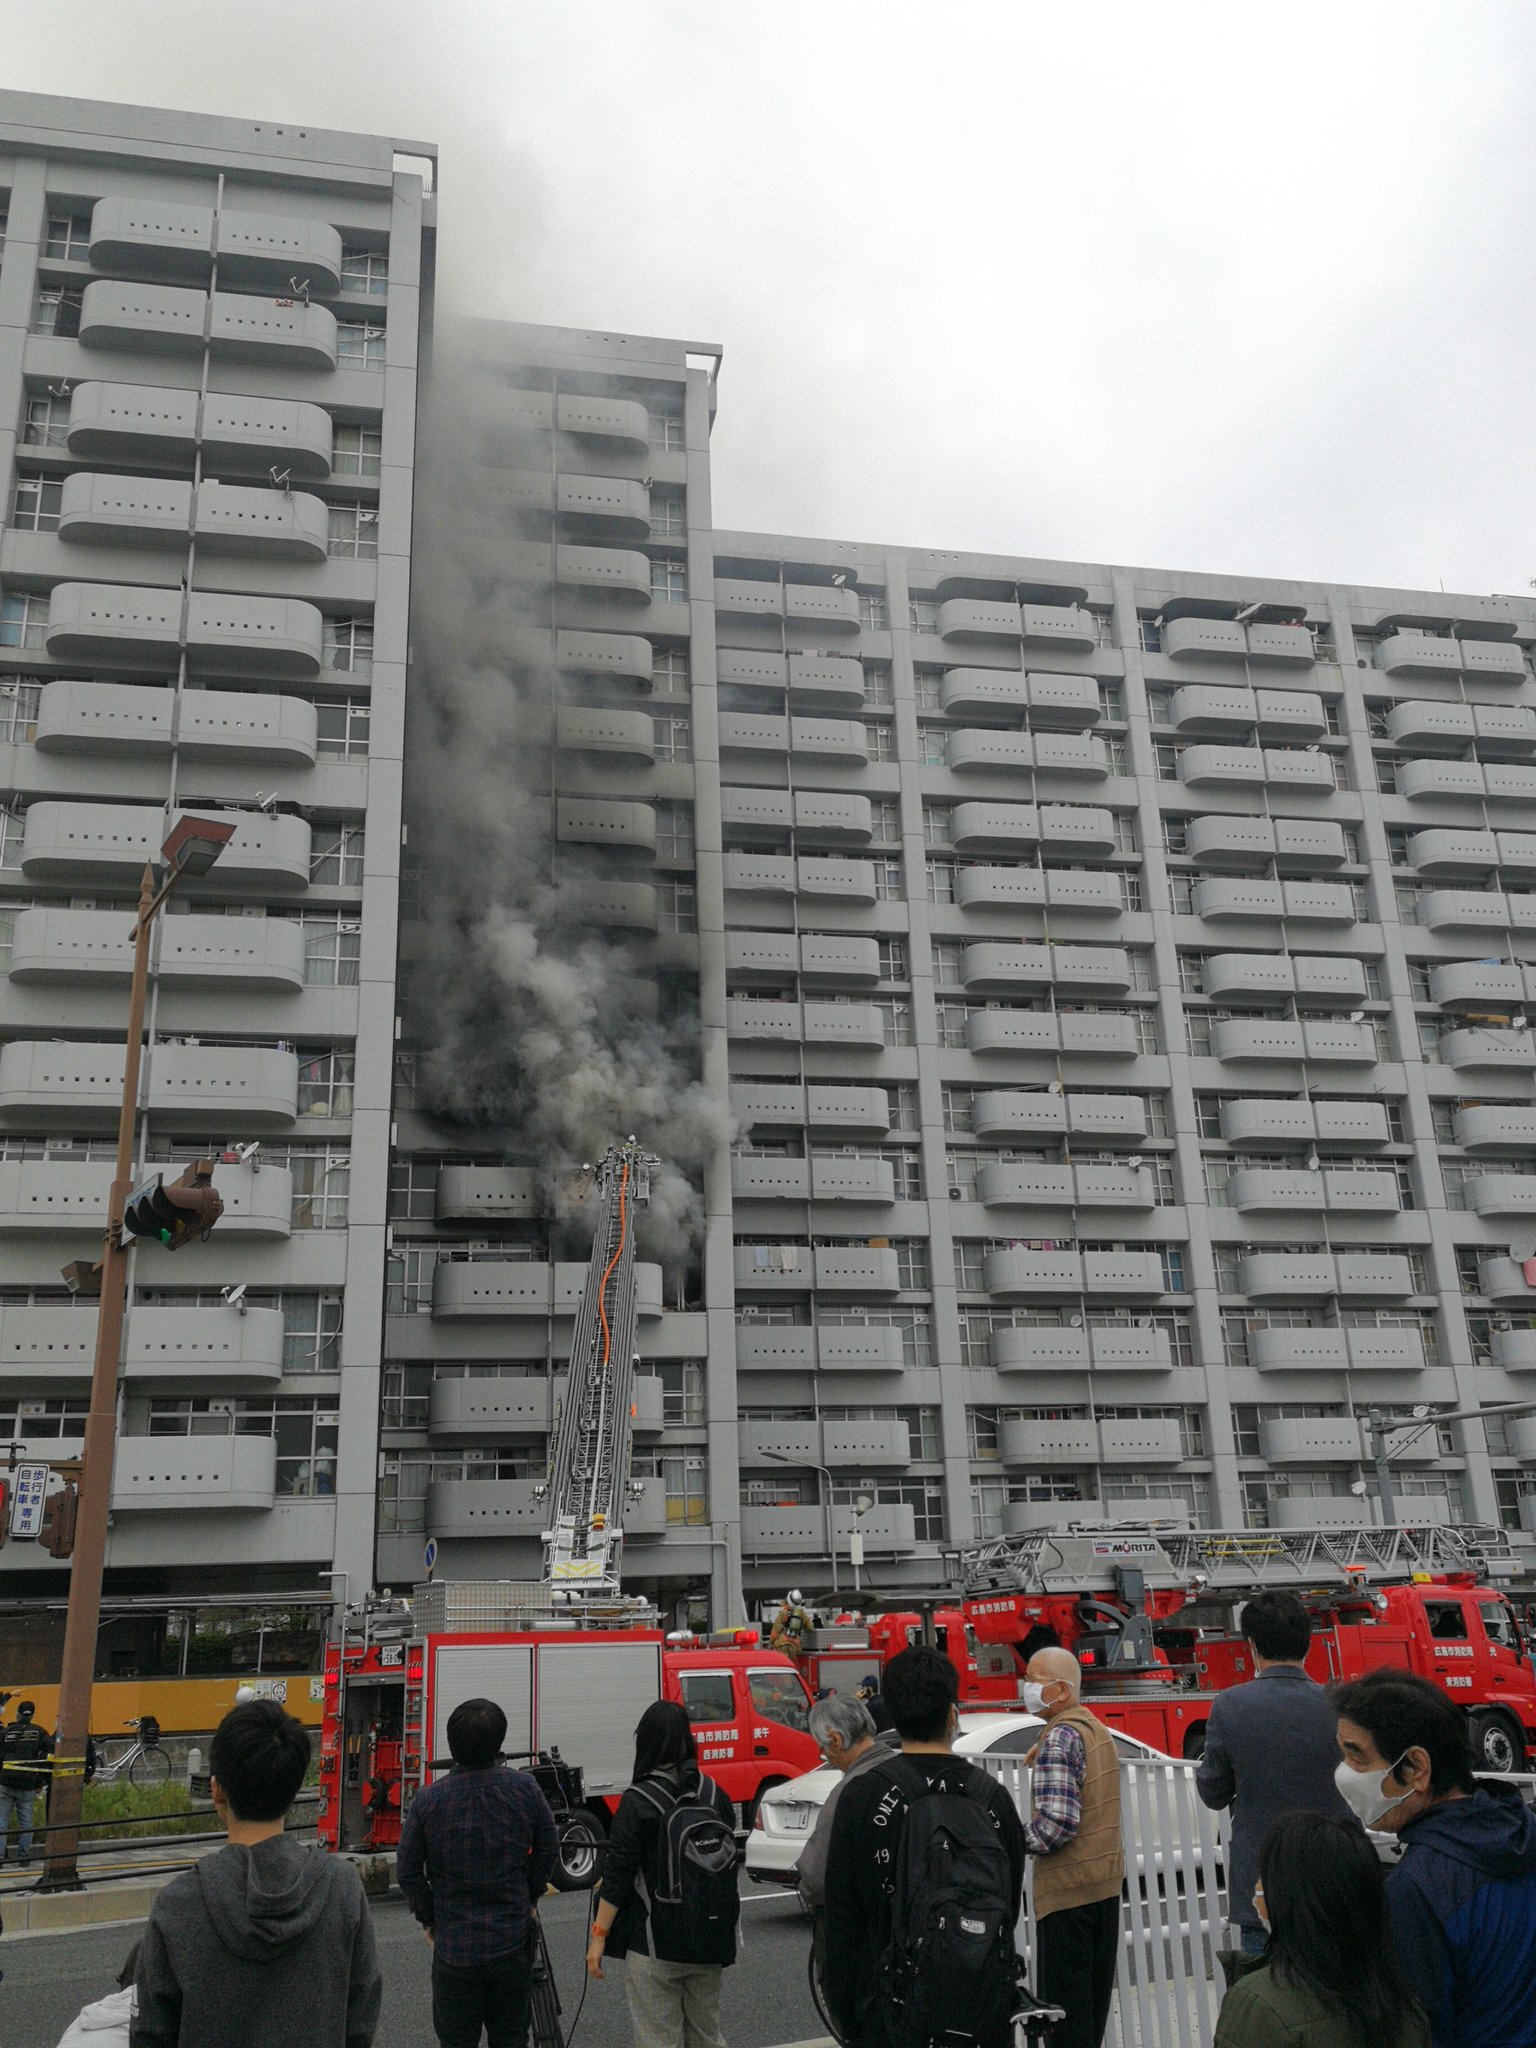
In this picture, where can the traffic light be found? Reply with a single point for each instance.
(175, 1212)
(60, 1513)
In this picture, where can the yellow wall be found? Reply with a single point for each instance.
(182, 1706)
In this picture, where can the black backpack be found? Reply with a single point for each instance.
(950, 1971)
(695, 1905)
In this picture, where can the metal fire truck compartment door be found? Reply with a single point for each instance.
(590, 1697)
(502, 1672)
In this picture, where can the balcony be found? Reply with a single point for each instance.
(111, 718)
(1494, 661)
(762, 813)
(587, 821)
(618, 906)
(752, 1018)
(857, 1269)
(1217, 900)
(849, 1347)
(824, 605)
(1280, 1275)
(1515, 1350)
(619, 423)
(856, 1027)
(773, 954)
(762, 671)
(1028, 1273)
(615, 734)
(853, 1180)
(1496, 1127)
(46, 1084)
(1418, 654)
(1000, 1186)
(1453, 854)
(1200, 708)
(617, 572)
(741, 732)
(1149, 1440)
(828, 814)
(1315, 1440)
(626, 655)
(175, 1349)
(227, 518)
(470, 1194)
(144, 425)
(802, 1531)
(826, 682)
(1476, 910)
(617, 507)
(1289, 715)
(826, 956)
(473, 1410)
(1231, 842)
(66, 1194)
(739, 597)
(1337, 1190)
(834, 881)
(1022, 1441)
(1442, 781)
(1279, 1120)
(1510, 783)
(515, 1287)
(194, 1474)
(978, 827)
(1505, 1280)
(258, 954)
(461, 1509)
(66, 842)
(1196, 639)
(159, 239)
(1488, 1047)
(1257, 976)
(1065, 628)
(843, 740)
(1502, 1194)
(1005, 966)
(108, 622)
(758, 1180)
(969, 618)
(1002, 1115)
(167, 320)
(1061, 1348)
(760, 874)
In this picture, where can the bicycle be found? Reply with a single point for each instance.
(143, 1761)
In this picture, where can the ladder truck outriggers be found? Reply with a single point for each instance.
(571, 1658)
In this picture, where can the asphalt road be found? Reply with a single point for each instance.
(48, 1977)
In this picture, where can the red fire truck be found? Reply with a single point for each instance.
(1150, 1615)
(571, 1693)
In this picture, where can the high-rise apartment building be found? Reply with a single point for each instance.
(209, 339)
(1082, 1010)
(1121, 981)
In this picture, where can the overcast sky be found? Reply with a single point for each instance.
(1218, 287)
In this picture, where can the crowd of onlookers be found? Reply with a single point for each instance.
(915, 1876)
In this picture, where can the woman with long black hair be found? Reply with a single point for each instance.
(1328, 1977)
(668, 1902)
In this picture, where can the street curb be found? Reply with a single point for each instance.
(125, 1900)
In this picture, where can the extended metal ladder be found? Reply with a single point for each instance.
(589, 1480)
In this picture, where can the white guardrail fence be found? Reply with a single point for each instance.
(1169, 1987)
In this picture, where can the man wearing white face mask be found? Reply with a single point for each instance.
(1462, 1901)
(1074, 1833)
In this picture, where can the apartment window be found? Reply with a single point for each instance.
(311, 1331)
(5, 217)
(923, 614)
(669, 515)
(1130, 891)
(1150, 634)
(366, 271)
(669, 671)
(56, 310)
(1174, 831)
(354, 532)
(348, 645)
(322, 1176)
(406, 1396)
(341, 728)
(36, 503)
(901, 1097)
(932, 746)
(674, 735)
(884, 818)
(889, 887)
(13, 827)
(325, 1083)
(879, 740)
(873, 613)
(949, 962)
(938, 824)
(413, 1190)
(23, 619)
(667, 424)
(952, 1019)
(896, 1019)
(1166, 756)
(958, 1106)
(941, 881)
(1116, 755)
(19, 702)
(879, 685)
(928, 688)
(677, 905)
(69, 237)
(1111, 702)
(893, 960)
(332, 950)
(674, 831)
(356, 451)
(669, 581)
(306, 1434)
(45, 423)
(682, 1392)
(359, 346)
(336, 856)
(59, 1418)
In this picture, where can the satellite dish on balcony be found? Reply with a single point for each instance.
(1074, 1322)
(1522, 1248)
(1357, 1016)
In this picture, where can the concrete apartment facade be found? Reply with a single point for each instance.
(1119, 976)
(210, 333)
(1117, 979)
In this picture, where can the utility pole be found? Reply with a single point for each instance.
(1379, 1427)
(194, 844)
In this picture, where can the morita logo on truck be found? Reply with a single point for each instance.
(1126, 1546)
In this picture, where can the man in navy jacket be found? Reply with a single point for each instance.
(1462, 1901)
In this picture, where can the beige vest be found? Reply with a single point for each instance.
(1092, 1865)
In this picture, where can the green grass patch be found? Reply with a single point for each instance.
(145, 1810)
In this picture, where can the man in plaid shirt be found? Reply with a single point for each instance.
(476, 1852)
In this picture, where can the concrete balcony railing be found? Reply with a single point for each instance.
(227, 518)
(824, 605)
(825, 682)
(628, 656)
(615, 572)
(68, 842)
(619, 423)
(1004, 967)
(468, 1194)
(802, 1531)
(1496, 1127)
(796, 1269)
(1337, 1190)
(1063, 703)
(1000, 1186)
(194, 1475)
(1278, 1275)
(1490, 1047)
(523, 1287)
(46, 1084)
(175, 1349)
(620, 906)
(591, 821)
(1065, 628)
(1428, 654)
(1483, 984)
(1502, 1194)
(833, 1443)
(1038, 1347)
(254, 953)
(146, 424)
(1336, 1350)
(111, 718)
(1238, 767)
(477, 1410)
(276, 636)
(1311, 976)
(770, 1180)
(63, 1195)
(1515, 1350)
(840, 1347)
(169, 320)
(1242, 1039)
(744, 597)
(1314, 1440)
(1278, 1120)
(161, 239)
(1027, 1273)
(460, 1509)
(1029, 1031)
(1477, 910)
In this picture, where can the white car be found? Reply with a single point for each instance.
(787, 1813)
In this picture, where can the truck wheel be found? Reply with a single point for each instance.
(581, 1844)
(1497, 1744)
(1194, 1744)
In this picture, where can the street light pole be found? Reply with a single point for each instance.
(783, 1458)
(191, 848)
(1386, 1502)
